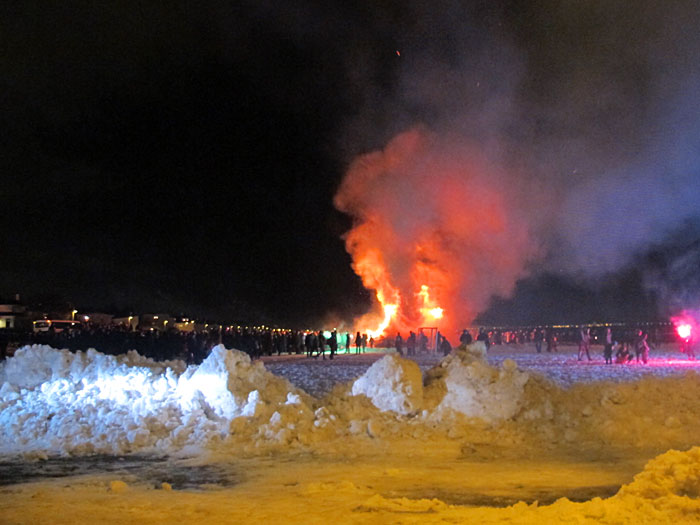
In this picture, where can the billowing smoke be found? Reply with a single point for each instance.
(553, 137)
(438, 230)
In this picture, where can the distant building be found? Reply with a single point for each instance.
(97, 318)
(13, 314)
(130, 321)
(160, 322)
(183, 324)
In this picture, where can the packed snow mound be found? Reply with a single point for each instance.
(37, 364)
(393, 384)
(673, 473)
(464, 382)
(55, 401)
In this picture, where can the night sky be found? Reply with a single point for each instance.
(183, 157)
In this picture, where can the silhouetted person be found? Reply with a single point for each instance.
(538, 338)
(321, 344)
(641, 347)
(445, 346)
(398, 343)
(411, 344)
(608, 346)
(584, 343)
(333, 343)
(423, 343)
(465, 338)
(484, 337)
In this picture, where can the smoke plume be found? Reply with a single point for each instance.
(556, 137)
(437, 226)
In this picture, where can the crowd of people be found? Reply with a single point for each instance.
(620, 345)
(192, 346)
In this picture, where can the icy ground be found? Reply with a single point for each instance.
(511, 436)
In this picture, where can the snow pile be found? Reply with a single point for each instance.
(464, 382)
(653, 413)
(670, 475)
(393, 384)
(55, 401)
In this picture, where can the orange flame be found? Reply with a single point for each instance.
(436, 313)
(430, 311)
(434, 233)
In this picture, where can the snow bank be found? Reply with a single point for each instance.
(464, 382)
(55, 401)
(672, 474)
(393, 384)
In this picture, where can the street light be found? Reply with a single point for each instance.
(73, 315)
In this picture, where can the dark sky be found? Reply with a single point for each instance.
(184, 156)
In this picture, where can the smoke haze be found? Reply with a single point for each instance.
(576, 123)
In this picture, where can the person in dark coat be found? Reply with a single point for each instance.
(398, 343)
(465, 338)
(321, 344)
(608, 348)
(445, 346)
(538, 338)
(484, 337)
(309, 344)
(423, 343)
(333, 343)
(411, 344)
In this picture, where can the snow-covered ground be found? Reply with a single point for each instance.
(317, 377)
(474, 437)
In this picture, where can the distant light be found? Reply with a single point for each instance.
(684, 331)
(155, 317)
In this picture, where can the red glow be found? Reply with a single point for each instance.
(684, 331)
(685, 325)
